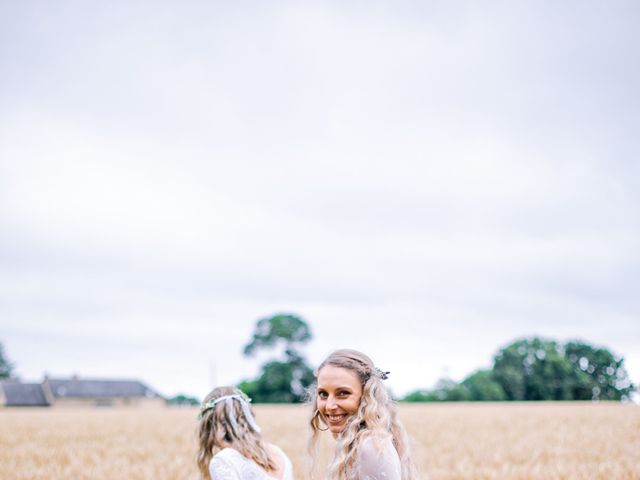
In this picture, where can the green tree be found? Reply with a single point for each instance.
(598, 374)
(539, 369)
(420, 396)
(533, 369)
(182, 400)
(6, 367)
(284, 380)
(445, 390)
(277, 329)
(482, 386)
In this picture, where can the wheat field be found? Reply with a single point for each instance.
(451, 441)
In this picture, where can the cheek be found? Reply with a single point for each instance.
(356, 404)
(352, 406)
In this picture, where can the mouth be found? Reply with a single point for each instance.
(336, 419)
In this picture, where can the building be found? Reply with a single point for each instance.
(77, 392)
(16, 394)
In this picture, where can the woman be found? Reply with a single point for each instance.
(350, 400)
(230, 444)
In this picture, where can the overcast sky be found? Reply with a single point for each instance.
(423, 181)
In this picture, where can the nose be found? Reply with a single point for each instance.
(331, 403)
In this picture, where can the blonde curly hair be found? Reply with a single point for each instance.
(221, 427)
(375, 418)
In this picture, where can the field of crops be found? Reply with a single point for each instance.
(451, 441)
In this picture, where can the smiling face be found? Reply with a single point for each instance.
(338, 396)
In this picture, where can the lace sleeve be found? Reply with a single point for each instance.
(378, 461)
(221, 469)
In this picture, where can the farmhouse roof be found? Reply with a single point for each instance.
(18, 394)
(86, 388)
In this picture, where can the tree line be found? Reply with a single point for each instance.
(539, 369)
(526, 369)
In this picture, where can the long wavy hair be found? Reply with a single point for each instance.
(376, 418)
(217, 431)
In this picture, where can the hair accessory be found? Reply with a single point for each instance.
(228, 400)
(382, 375)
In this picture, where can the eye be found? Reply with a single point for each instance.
(322, 394)
(343, 393)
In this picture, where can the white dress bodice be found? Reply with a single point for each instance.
(229, 464)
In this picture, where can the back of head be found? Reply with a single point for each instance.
(226, 421)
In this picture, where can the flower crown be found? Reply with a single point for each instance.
(239, 396)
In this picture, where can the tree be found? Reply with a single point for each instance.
(597, 373)
(6, 367)
(182, 400)
(285, 380)
(537, 369)
(445, 390)
(283, 328)
(533, 369)
(482, 386)
(421, 396)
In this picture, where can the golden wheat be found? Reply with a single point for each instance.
(451, 441)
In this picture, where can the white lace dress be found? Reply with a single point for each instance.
(229, 464)
(378, 460)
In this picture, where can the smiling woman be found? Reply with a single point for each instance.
(339, 394)
(350, 400)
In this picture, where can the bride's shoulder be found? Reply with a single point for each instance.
(227, 453)
(281, 458)
(377, 458)
(376, 442)
(224, 464)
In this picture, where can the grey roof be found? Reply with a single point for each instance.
(23, 394)
(81, 388)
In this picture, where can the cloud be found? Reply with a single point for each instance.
(420, 181)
